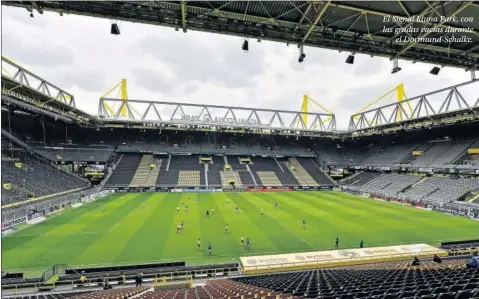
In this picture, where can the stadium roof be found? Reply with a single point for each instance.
(351, 26)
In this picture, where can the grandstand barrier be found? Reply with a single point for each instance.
(9, 224)
(207, 189)
(41, 198)
(94, 196)
(269, 189)
(8, 227)
(164, 274)
(336, 258)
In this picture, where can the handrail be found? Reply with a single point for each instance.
(172, 274)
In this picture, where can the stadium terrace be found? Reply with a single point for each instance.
(169, 200)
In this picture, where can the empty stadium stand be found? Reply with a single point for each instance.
(302, 174)
(26, 176)
(450, 279)
(182, 171)
(87, 154)
(441, 189)
(315, 171)
(142, 172)
(270, 172)
(125, 170)
(388, 155)
(360, 179)
(217, 164)
(390, 184)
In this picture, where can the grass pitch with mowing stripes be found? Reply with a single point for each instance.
(141, 228)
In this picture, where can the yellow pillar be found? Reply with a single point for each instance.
(124, 98)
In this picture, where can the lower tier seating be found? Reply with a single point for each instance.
(450, 279)
(25, 176)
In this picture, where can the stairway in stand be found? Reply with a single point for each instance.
(142, 172)
(298, 178)
(153, 176)
(302, 173)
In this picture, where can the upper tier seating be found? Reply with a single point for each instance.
(361, 179)
(86, 154)
(388, 155)
(431, 153)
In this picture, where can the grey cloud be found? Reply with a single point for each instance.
(153, 80)
(90, 81)
(36, 53)
(189, 60)
(22, 15)
(315, 57)
(365, 65)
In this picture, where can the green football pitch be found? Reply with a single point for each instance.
(141, 228)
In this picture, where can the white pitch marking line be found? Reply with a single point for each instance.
(128, 215)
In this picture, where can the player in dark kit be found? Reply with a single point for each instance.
(209, 248)
(304, 224)
(207, 214)
(336, 244)
(198, 244)
(248, 244)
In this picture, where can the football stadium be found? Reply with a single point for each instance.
(150, 199)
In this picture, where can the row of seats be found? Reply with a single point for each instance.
(360, 179)
(426, 279)
(441, 188)
(76, 154)
(450, 279)
(413, 187)
(25, 176)
(125, 170)
(188, 171)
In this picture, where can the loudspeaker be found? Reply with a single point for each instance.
(115, 29)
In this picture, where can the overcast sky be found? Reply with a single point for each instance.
(81, 56)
